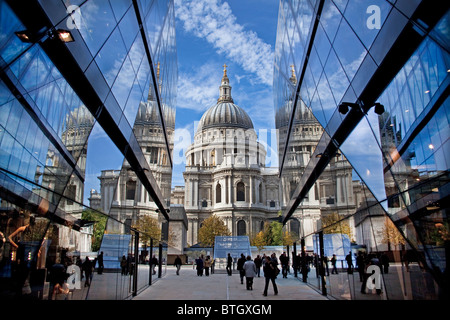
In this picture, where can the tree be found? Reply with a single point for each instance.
(267, 234)
(148, 228)
(99, 226)
(277, 233)
(273, 235)
(212, 227)
(258, 241)
(288, 238)
(391, 235)
(333, 223)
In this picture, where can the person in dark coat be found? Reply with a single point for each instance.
(229, 262)
(258, 263)
(153, 264)
(270, 274)
(177, 263)
(100, 263)
(240, 267)
(360, 265)
(333, 263)
(124, 266)
(304, 267)
(349, 260)
(284, 260)
(199, 263)
(296, 263)
(87, 268)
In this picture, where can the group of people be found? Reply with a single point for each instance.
(204, 264)
(60, 271)
(249, 269)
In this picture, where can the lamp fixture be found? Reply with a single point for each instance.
(379, 108)
(33, 37)
(343, 107)
(24, 36)
(64, 35)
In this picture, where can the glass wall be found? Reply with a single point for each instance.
(365, 188)
(86, 139)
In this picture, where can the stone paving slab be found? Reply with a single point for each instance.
(220, 286)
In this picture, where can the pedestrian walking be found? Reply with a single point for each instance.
(240, 267)
(270, 274)
(384, 260)
(284, 260)
(250, 272)
(87, 268)
(100, 263)
(349, 260)
(153, 264)
(229, 262)
(199, 263)
(325, 262)
(304, 267)
(333, 263)
(123, 266)
(258, 263)
(207, 265)
(177, 263)
(361, 265)
(296, 263)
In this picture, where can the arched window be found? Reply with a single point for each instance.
(241, 228)
(218, 193)
(240, 192)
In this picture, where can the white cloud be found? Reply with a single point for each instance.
(215, 22)
(198, 90)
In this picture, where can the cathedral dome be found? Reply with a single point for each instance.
(225, 113)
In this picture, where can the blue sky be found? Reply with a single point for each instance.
(211, 33)
(242, 35)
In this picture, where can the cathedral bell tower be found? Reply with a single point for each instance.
(225, 88)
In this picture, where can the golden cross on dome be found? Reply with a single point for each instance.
(225, 70)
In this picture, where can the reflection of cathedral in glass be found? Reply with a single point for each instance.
(122, 193)
(226, 174)
(78, 126)
(335, 191)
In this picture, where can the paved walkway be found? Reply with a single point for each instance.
(220, 286)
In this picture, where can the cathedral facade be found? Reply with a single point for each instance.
(226, 174)
(225, 171)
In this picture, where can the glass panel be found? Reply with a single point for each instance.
(350, 59)
(97, 23)
(366, 19)
(367, 161)
(86, 215)
(111, 57)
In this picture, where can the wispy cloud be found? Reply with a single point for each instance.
(198, 90)
(215, 22)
